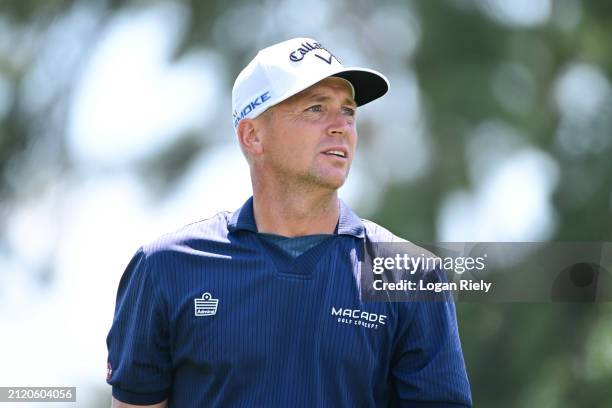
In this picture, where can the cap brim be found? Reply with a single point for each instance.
(368, 84)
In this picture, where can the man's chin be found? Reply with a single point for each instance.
(324, 180)
(331, 182)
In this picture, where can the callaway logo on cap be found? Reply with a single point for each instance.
(284, 69)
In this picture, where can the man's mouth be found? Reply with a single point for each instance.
(337, 153)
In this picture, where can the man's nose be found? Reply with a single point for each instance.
(340, 123)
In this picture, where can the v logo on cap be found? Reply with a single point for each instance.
(326, 60)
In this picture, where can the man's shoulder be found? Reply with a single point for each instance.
(380, 235)
(208, 231)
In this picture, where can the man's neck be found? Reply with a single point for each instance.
(293, 215)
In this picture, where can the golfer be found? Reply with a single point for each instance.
(261, 307)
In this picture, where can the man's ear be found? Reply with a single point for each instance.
(249, 136)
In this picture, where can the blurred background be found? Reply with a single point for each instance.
(115, 127)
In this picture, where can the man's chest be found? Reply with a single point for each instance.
(254, 315)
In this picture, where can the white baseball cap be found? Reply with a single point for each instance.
(284, 69)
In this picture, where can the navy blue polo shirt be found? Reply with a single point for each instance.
(215, 316)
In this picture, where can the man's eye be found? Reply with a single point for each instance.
(315, 108)
(349, 111)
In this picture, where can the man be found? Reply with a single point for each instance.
(243, 309)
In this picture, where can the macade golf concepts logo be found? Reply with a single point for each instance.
(358, 317)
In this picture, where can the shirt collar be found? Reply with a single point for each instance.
(244, 219)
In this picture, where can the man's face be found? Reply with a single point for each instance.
(310, 138)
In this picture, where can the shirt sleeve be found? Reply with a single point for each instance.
(428, 369)
(139, 362)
